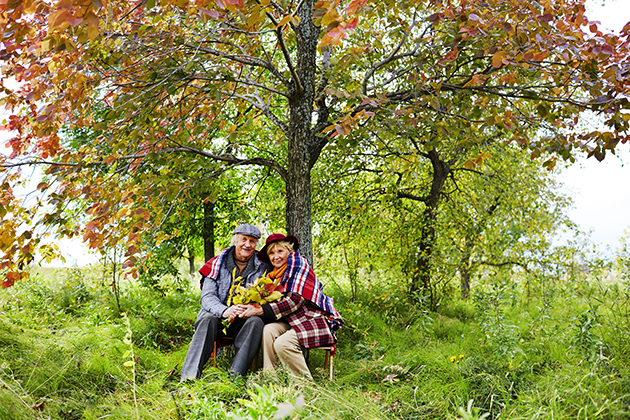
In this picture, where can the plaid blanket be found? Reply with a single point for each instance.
(300, 278)
(312, 326)
(212, 267)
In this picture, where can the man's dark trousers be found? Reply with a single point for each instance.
(247, 333)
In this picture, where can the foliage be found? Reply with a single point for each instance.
(174, 94)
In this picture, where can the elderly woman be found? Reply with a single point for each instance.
(305, 317)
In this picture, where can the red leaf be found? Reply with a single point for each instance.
(354, 6)
(369, 101)
(212, 13)
(450, 56)
(9, 279)
(548, 17)
(69, 17)
(64, 4)
(352, 24)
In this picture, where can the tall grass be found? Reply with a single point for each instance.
(555, 350)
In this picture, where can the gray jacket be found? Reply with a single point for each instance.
(214, 293)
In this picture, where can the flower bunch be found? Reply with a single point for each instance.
(263, 290)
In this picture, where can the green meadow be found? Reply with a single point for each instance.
(518, 348)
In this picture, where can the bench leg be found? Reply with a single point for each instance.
(329, 364)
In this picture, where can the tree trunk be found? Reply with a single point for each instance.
(464, 274)
(208, 230)
(298, 182)
(422, 275)
(466, 264)
(191, 260)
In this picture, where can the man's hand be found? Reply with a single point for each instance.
(233, 311)
(251, 310)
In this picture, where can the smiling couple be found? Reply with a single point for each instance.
(303, 318)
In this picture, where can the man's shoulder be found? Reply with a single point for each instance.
(213, 267)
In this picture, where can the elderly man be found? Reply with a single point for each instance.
(216, 282)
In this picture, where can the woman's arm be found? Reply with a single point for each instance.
(284, 306)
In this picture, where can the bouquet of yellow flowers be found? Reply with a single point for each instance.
(263, 290)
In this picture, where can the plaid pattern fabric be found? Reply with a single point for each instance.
(212, 267)
(300, 278)
(310, 323)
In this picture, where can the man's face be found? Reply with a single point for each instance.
(245, 247)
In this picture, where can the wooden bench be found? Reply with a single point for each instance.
(229, 341)
(226, 342)
(328, 360)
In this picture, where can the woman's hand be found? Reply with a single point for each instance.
(250, 310)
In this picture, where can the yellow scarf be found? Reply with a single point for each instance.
(277, 272)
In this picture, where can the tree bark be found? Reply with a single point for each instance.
(422, 275)
(465, 269)
(298, 182)
(208, 230)
(191, 260)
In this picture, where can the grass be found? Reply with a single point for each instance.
(67, 352)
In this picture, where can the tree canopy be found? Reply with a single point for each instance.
(175, 93)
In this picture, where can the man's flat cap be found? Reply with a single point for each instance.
(247, 229)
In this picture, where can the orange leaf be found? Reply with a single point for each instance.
(58, 20)
(477, 79)
(284, 21)
(354, 6)
(497, 59)
(470, 164)
(541, 56)
(10, 279)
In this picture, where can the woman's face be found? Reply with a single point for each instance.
(278, 255)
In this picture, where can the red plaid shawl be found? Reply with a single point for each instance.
(305, 306)
(311, 324)
(300, 278)
(212, 267)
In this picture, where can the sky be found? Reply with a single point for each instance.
(600, 190)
